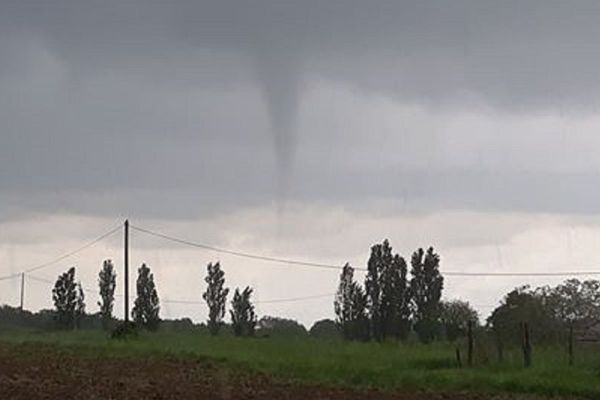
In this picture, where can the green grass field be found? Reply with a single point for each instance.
(389, 366)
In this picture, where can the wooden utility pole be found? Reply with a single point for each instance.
(22, 290)
(126, 264)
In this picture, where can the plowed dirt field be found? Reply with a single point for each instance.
(47, 373)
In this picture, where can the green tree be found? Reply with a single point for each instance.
(426, 288)
(573, 301)
(64, 296)
(146, 308)
(325, 329)
(395, 299)
(387, 293)
(215, 297)
(79, 306)
(519, 306)
(107, 281)
(350, 306)
(455, 316)
(359, 317)
(342, 303)
(243, 318)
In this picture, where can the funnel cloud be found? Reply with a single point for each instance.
(280, 81)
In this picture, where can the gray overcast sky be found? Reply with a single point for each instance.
(304, 129)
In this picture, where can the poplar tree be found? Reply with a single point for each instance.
(343, 301)
(79, 306)
(243, 318)
(359, 320)
(107, 279)
(350, 307)
(387, 293)
(146, 308)
(426, 289)
(215, 297)
(64, 296)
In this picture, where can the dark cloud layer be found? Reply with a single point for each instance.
(174, 109)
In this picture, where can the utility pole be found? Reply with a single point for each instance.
(126, 264)
(22, 289)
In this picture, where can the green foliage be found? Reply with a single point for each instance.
(107, 281)
(573, 301)
(342, 304)
(125, 330)
(519, 306)
(325, 329)
(359, 326)
(243, 317)
(274, 326)
(350, 307)
(455, 316)
(387, 293)
(426, 288)
(79, 306)
(146, 307)
(68, 300)
(14, 317)
(215, 297)
(549, 311)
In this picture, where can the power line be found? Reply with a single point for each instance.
(337, 267)
(64, 256)
(239, 253)
(182, 301)
(521, 274)
(293, 299)
(7, 277)
(38, 279)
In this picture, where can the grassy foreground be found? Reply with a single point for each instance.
(408, 366)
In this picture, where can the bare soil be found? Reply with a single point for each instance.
(45, 372)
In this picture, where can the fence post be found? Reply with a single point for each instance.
(526, 345)
(458, 359)
(571, 344)
(470, 343)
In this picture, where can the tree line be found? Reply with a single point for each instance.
(551, 311)
(389, 304)
(396, 299)
(69, 301)
(392, 304)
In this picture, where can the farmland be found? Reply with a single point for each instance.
(262, 365)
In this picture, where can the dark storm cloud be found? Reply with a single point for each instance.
(512, 54)
(178, 108)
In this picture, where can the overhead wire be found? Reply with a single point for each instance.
(289, 261)
(286, 261)
(62, 257)
(236, 253)
(183, 301)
